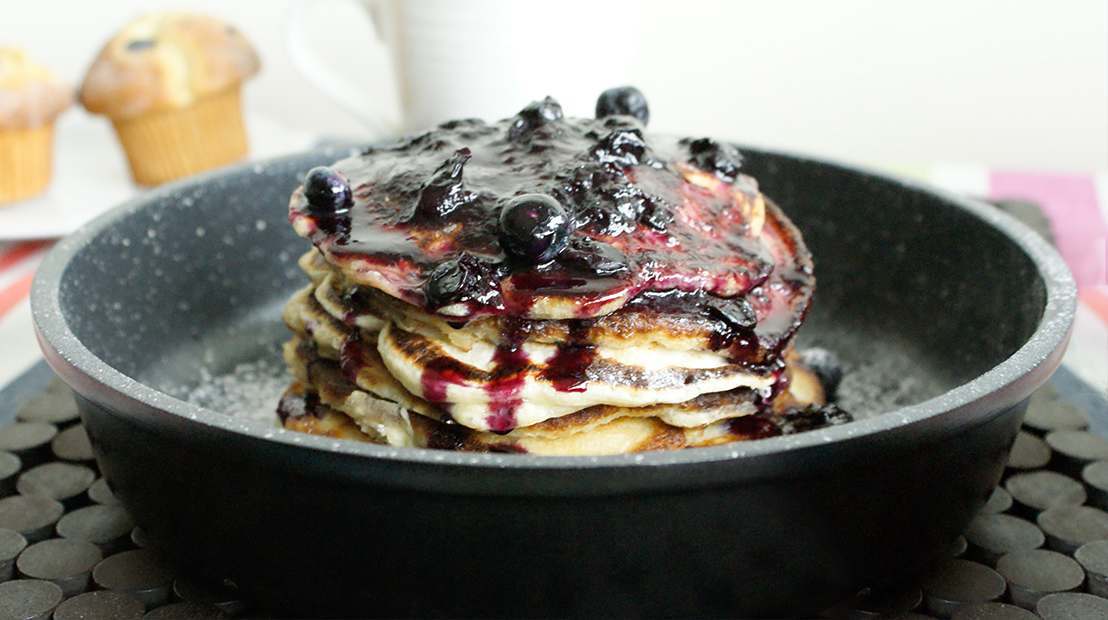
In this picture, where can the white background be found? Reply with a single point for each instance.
(1016, 84)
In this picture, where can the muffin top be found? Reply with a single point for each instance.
(30, 96)
(166, 61)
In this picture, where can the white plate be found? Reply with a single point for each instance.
(91, 175)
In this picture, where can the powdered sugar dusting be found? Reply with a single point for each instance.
(250, 391)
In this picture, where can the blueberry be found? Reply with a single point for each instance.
(626, 100)
(464, 278)
(656, 213)
(622, 147)
(534, 228)
(329, 199)
(327, 191)
(826, 366)
(135, 45)
(535, 115)
(711, 156)
(736, 313)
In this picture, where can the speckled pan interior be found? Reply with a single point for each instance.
(936, 300)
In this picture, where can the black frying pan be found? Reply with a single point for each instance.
(952, 305)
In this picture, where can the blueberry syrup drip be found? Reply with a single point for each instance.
(510, 365)
(440, 373)
(567, 369)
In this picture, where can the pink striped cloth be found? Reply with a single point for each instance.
(17, 269)
(1075, 204)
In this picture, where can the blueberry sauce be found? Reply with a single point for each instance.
(439, 373)
(567, 369)
(540, 217)
(753, 427)
(510, 366)
(792, 421)
(647, 213)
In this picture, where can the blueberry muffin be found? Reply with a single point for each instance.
(30, 101)
(171, 84)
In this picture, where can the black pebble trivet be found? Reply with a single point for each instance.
(28, 599)
(32, 516)
(9, 472)
(11, 545)
(1072, 606)
(958, 547)
(992, 611)
(1028, 452)
(1095, 476)
(100, 605)
(1073, 450)
(950, 592)
(994, 535)
(1053, 415)
(64, 482)
(1039, 490)
(1069, 527)
(1033, 574)
(138, 537)
(140, 573)
(186, 611)
(224, 596)
(1093, 557)
(959, 582)
(30, 441)
(54, 406)
(64, 562)
(73, 444)
(101, 493)
(999, 501)
(107, 527)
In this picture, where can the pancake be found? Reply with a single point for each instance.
(595, 431)
(672, 320)
(474, 383)
(480, 385)
(551, 286)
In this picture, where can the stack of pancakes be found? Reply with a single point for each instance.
(670, 343)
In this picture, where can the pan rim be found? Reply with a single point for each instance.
(1027, 368)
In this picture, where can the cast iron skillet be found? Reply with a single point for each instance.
(974, 309)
